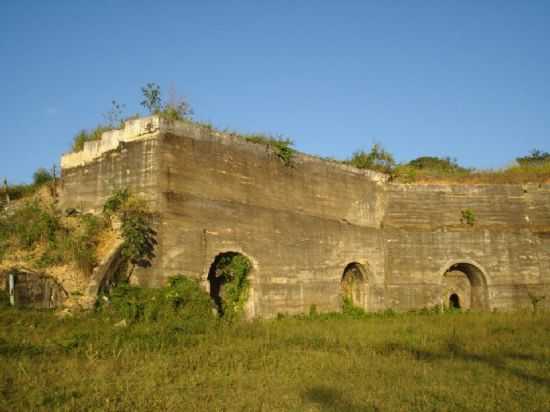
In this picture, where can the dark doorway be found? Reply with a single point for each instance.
(454, 301)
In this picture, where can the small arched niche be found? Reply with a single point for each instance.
(354, 285)
(465, 287)
(229, 283)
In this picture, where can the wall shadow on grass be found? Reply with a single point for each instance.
(497, 362)
(329, 399)
(10, 350)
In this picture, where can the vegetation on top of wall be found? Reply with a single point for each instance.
(534, 167)
(177, 108)
(281, 147)
(377, 159)
(426, 167)
(88, 136)
(536, 157)
(114, 119)
(437, 163)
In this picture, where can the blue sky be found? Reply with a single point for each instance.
(466, 79)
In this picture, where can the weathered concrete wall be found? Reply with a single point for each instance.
(424, 237)
(302, 225)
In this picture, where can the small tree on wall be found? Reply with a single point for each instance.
(177, 108)
(151, 98)
(138, 236)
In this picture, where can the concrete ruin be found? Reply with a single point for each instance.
(32, 289)
(317, 229)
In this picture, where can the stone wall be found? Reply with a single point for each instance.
(301, 226)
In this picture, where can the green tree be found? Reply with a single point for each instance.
(42, 176)
(177, 108)
(152, 99)
(138, 236)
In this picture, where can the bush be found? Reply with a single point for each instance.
(234, 268)
(349, 309)
(536, 157)
(229, 284)
(442, 165)
(139, 238)
(376, 159)
(115, 202)
(468, 217)
(20, 191)
(181, 300)
(429, 168)
(82, 244)
(88, 136)
(31, 224)
(42, 176)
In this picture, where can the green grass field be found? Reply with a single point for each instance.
(408, 362)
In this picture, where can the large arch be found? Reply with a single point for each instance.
(221, 275)
(464, 282)
(355, 284)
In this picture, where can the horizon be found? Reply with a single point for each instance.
(333, 78)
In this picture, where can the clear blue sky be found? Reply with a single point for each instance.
(467, 79)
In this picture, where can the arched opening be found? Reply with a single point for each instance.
(354, 285)
(229, 283)
(454, 301)
(468, 284)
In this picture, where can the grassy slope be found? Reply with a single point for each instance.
(454, 362)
